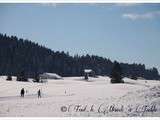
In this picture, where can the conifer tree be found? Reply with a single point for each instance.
(22, 77)
(116, 74)
(9, 78)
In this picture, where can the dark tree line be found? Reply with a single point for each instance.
(19, 56)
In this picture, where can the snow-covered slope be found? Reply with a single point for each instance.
(74, 96)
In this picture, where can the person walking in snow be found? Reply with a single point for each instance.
(22, 92)
(39, 93)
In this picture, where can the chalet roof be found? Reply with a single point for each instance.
(50, 76)
(87, 70)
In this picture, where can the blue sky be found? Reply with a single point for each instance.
(124, 32)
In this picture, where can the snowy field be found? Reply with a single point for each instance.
(73, 96)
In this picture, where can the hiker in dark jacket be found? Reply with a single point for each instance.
(39, 93)
(22, 92)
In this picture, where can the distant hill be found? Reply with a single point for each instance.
(18, 55)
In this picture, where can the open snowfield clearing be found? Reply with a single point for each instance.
(74, 97)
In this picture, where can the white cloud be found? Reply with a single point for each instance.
(50, 4)
(126, 4)
(135, 16)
